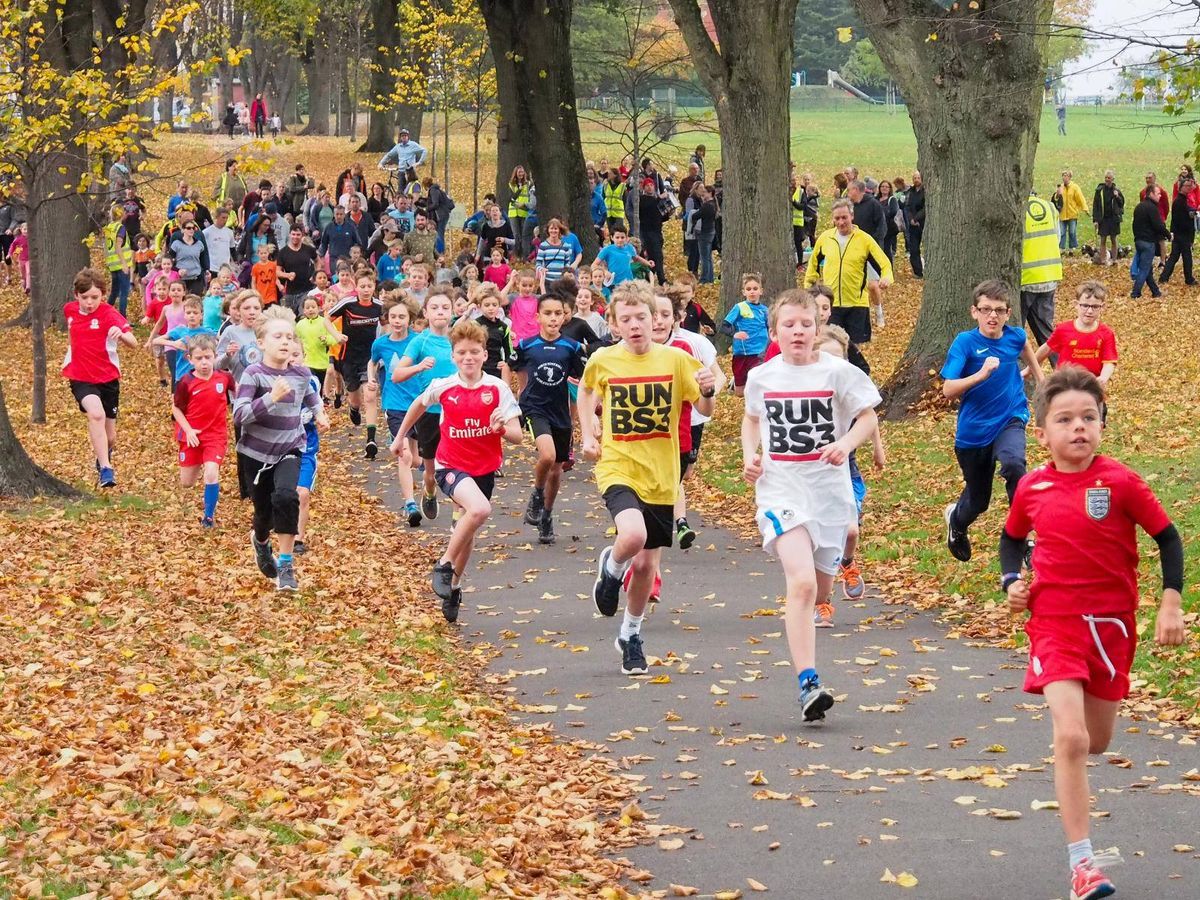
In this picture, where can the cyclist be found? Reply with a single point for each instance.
(406, 156)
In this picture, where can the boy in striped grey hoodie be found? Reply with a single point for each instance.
(270, 396)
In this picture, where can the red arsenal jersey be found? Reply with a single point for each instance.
(468, 443)
(91, 353)
(1085, 560)
(205, 403)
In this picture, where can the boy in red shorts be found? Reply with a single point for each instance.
(93, 331)
(202, 400)
(1083, 600)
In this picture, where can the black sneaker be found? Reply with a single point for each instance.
(441, 578)
(451, 605)
(285, 579)
(957, 541)
(684, 534)
(371, 450)
(264, 557)
(633, 657)
(606, 591)
(299, 548)
(546, 528)
(355, 416)
(533, 509)
(413, 512)
(337, 401)
(429, 506)
(814, 701)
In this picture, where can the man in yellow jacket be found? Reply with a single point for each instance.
(1071, 204)
(839, 259)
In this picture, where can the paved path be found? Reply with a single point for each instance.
(922, 767)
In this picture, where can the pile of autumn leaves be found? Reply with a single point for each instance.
(169, 724)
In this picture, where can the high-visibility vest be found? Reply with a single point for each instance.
(114, 242)
(614, 199)
(1041, 260)
(520, 200)
(797, 214)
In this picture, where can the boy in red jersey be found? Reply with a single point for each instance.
(1083, 596)
(91, 365)
(202, 400)
(477, 410)
(1087, 341)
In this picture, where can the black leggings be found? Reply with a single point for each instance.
(273, 491)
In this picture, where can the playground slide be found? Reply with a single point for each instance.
(836, 80)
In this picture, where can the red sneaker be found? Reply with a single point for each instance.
(1089, 883)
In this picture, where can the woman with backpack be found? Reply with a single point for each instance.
(439, 205)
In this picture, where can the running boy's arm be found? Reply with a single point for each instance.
(589, 422)
(878, 452)
(167, 341)
(865, 422)
(179, 413)
(406, 369)
(752, 468)
(707, 401)
(1168, 626)
(727, 327)
(956, 387)
(1029, 355)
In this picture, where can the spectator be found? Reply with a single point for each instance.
(1108, 208)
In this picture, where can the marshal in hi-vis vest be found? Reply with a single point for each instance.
(1041, 260)
(114, 243)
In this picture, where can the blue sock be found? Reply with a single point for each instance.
(211, 493)
(808, 675)
(285, 559)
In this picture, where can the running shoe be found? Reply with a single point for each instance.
(684, 535)
(546, 528)
(1089, 883)
(957, 541)
(355, 416)
(371, 450)
(107, 478)
(606, 591)
(207, 522)
(633, 657)
(413, 512)
(533, 509)
(823, 616)
(337, 401)
(285, 579)
(814, 700)
(264, 557)
(451, 605)
(852, 582)
(570, 463)
(299, 548)
(442, 576)
(429, 506)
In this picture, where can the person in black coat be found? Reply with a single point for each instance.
(1148, 229)
(650, 227)
(1108, 208)
(914, 219)
(1183, 234)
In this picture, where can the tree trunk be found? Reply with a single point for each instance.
(318, 71)
(531, 43)
(288, 84)
(19, 476)
(749, 79)
(974, 96)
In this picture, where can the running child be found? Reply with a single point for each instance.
(270, 396)
(983, 368)
(1087, 341)
(359, 317)
(747, 325)
(91, 366)
(152, 313)
(522, 309)
(796, 436)
(315, 335)
(499, 332)
(306, 480)
(641, 387)
(201, 408)
(398, 396)
(1083, 601)
(544, 365)
(477, 409)
(171, 317)
(177, 338)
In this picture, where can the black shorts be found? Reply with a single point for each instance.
(338, 364)
(659, 517)
(562, 437)
(697, 439)
(686, 459)
(855, 319)
(109, 393)
(449, 479)
(354, 370)
(395, 418)
(429, 434)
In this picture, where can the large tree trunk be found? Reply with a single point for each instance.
(974, 96)
(749, 78)
(19, 476)
(531, 43)
(318, 71)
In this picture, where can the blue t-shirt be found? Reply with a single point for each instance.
(572, 241)
(548, 366)
(182, 333)
(752, 319)
(619, 261)
(386, 353)
(212, 311)
(312, 437)
(990, 405)
(390, 269)
(437, 346)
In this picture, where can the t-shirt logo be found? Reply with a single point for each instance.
(486, 397)
(799, 424)
(640, 407)
(219, 387)
(549, 374)
(94, 325)
(1098, 501)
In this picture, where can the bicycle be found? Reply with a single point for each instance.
(399, 179)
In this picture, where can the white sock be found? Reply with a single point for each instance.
(1079, 851)
(617, 568)
(630, 625)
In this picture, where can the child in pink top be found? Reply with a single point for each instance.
(499, 271)
(19, 253)
(522, 309)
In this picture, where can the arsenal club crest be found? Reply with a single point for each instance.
(486, 398)
(1098, 501)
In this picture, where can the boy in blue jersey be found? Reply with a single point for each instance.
(306, 480)
(429, 357)
(983, 368)
(544, 365)
(177, 338)
(387, 351)
(747, 325)
(619, 257)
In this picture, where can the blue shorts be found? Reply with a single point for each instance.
(308, 462)
(395, 418)
(857, 483)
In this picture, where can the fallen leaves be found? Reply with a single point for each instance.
(904, 879)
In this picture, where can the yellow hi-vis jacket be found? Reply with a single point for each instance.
(1041, 260)
(845, 271)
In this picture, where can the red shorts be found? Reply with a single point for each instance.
(210, 449)
(1094, 649)
(742, 366)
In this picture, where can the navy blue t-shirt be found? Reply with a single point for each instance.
(548, 365)
(990, 405)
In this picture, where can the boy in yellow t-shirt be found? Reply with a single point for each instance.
(641, 387)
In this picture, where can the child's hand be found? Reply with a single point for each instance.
(342, 338)
(705, 329)
(990, 364)
(280, 389)
(145, 320)
(321, 419)
(752, 470)
(496, 423)
(190, 437)
(427, 363)
(835, 454)
(590, 449)
(404, 452)
(1018, 597)
(740, 335)
(705, 380)
(232, 348)
(879, 457)
(1168, 626)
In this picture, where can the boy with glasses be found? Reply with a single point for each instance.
(1087, 341)
(983, 368)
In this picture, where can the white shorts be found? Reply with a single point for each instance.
(828, 541)
(872, 272)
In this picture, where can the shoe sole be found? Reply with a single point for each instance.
(433, 583)
(946, 516)
(286, 588)
(414, 519)
(1107, 891)
(600, 566)
(547, 539)
(449, 612)
(429, 512)
(371, 452)
(854, 593)
(686, 540)
(625, 671)
(532, 518)
(817, 709)
(823, 623)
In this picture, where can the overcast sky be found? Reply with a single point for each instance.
(1094, 73)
